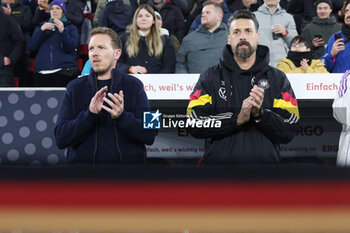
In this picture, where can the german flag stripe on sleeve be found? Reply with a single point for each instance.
(196, 99)
(288, 103)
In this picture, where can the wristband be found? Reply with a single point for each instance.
(130, 69)
(286, 33)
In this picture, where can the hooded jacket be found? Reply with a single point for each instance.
(280, 47)
(54, 49)
(79, 129)
(218, 97)
(287, 66)
(201, 49)
(325, 27)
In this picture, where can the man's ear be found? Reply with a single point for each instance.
(228, 39)
(258, 37)
(117, 53)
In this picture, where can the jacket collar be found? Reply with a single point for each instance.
(116, 80)
(266, 10)
(203, 29)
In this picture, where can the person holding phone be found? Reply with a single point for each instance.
(321, 28)
(55, 43)
(337, 54)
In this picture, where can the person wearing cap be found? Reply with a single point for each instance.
(305, 10)
(337, 53)
(55, 43)
(321, 28)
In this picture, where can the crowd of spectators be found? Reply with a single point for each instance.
(166, 36)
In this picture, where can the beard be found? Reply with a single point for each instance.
(243, 53)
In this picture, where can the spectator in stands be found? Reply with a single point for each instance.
(56, 43)
(117, 15)
(145, 50)
(197, 21)
(306, 10)
(249, 105)
(299, 59)
(203, 47)
(12, 45)
(75, 12)
(321, 28)
(277, 29)
(337, 54)
(20, 12)
(251, 5)
(101, 115)
(23, 16)
(173, 19)
(341, 112)
(42, 13)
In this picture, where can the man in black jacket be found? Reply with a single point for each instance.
(251, 105)
(12, 44)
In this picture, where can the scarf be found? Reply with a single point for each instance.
(63, 19)
(296, 57)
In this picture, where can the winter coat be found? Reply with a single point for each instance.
(54, 49)
(23, 15)
(280, 47)
(79, 129)
(173, 20)
(287, 66)
(324, 27)
(201, 49)
(75, 12)
(117, 15)
(218, 96)
(164, 64)
(12, 41)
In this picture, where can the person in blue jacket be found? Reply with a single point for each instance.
(100, 119)
(337, 54)
(55, 43)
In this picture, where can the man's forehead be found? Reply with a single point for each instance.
(242, 24)
(99, 39)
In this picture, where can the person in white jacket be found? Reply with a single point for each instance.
(277, 29)
(341, 112)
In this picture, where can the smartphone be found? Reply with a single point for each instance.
(337, 36)
(319, 36)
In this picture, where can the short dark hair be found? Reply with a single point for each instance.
(345, 5)
(243, 14)
(116, 42)
(215, 4)
(300, 39)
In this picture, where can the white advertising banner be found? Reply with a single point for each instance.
(180, 86)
